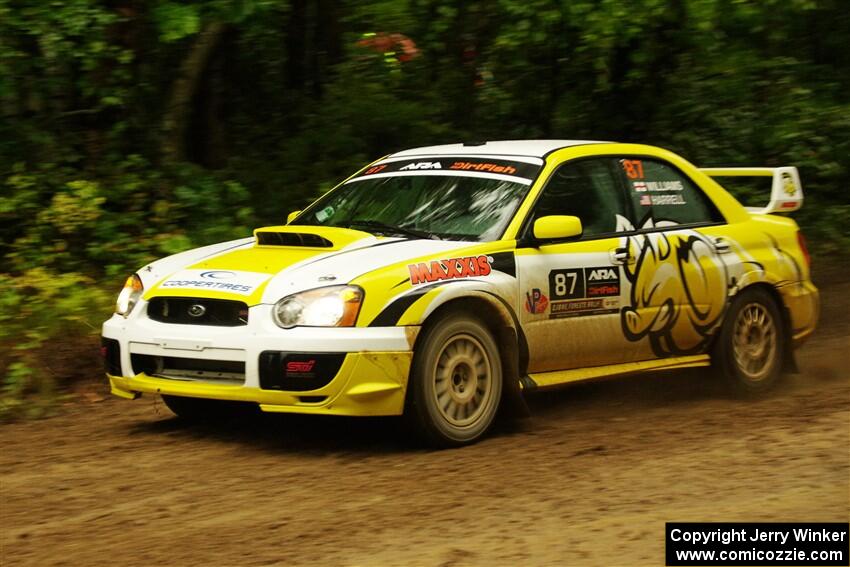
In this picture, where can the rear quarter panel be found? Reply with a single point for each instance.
(768, 247)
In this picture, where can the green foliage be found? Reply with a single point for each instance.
(39, 309)
(280, 100)
(68, 245)
(176, 21)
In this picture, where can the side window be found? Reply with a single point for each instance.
(586, 189)
(659, 189)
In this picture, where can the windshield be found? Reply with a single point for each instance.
(449, 198)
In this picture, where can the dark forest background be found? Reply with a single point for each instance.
(133, 129)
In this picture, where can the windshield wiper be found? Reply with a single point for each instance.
(384, 227)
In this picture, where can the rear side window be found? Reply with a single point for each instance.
(661, 191)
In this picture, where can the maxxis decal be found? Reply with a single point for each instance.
(442, 272)
(449, 269)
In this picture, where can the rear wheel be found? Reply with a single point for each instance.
(749, 349)
(456, 381)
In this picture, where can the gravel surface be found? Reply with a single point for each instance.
(589, 479)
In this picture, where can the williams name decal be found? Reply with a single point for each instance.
(453, 268)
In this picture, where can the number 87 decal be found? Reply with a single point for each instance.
(567, 283)
(633, 168)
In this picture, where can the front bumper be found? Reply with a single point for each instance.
(371, 380)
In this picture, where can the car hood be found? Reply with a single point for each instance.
(283, 260)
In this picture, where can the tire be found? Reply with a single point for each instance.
(199, 410)
(455, 382)
(750, 347)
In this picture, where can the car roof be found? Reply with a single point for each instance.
(532, 148)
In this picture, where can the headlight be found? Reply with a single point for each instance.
(130, 295)
(333, 306)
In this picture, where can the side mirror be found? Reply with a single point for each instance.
(557, 227)
(291, 216)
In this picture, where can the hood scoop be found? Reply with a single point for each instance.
(295, 236)
(301, 239)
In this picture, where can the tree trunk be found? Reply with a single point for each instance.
(295, 42)
(178, 110)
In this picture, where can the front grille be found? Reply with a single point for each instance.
(196, 311)
(229, 371)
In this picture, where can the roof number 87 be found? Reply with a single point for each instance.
(633, 168)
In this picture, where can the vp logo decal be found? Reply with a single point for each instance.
(536, 301)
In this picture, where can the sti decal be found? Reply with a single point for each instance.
(584, 291)
(300, 366)
(450, 269)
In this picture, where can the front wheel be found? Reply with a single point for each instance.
(749, 349)
(456, 381)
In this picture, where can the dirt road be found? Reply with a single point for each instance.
(590, 479)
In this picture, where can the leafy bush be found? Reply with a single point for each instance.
(68, 244)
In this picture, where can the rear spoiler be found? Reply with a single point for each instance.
(786, 192)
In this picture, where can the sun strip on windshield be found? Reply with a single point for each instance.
(501, 169)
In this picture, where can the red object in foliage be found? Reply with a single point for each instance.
(404, 48)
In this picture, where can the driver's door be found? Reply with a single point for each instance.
(572, 292)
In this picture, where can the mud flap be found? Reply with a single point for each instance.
(789, 361)
(513, 403)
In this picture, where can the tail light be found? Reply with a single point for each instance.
(801, 240)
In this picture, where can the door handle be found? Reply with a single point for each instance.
(620, 255)
(721, 245)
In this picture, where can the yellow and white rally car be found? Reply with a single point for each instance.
(442, 282)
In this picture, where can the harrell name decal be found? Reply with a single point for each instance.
(450, 269)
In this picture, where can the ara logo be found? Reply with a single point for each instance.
(602, 282)
(422, 165)
(601, 274)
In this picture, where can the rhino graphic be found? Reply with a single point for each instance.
(678, 291)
